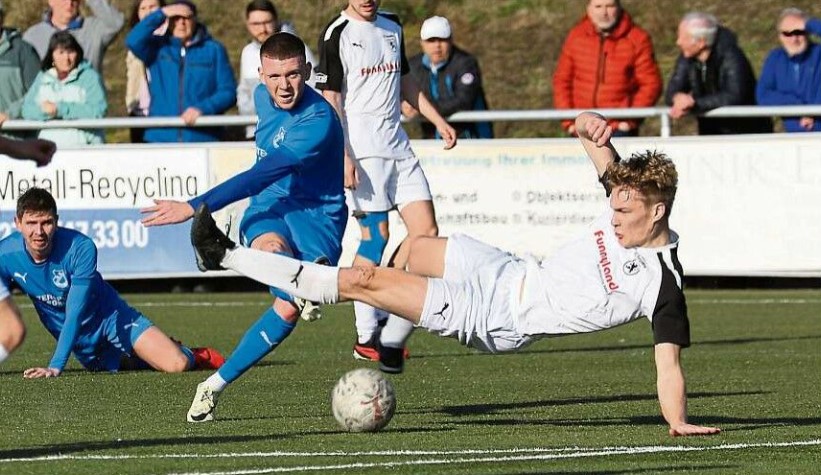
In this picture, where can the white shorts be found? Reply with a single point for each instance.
(386, 183)
(477, 300)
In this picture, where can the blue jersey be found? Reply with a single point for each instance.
(69, 294)
(300, 158)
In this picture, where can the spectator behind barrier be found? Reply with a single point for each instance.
(19, 65)
(712, 72)
(94, 33)
(66, 88)
(606, 61)
(450, 78)
(189, 72)
(137, 97)
(262, 21)
(792, 74)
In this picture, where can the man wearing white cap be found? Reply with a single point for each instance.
(363, 73)
(450, 78)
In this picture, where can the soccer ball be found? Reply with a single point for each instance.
(363, 400)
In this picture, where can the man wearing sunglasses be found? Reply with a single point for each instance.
(792, 73)
(712, 72)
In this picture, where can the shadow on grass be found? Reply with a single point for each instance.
(648, 346)
(169, 443)
(750, 423)
(484, 409)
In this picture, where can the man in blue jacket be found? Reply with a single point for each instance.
(792, 74)
(190, 72)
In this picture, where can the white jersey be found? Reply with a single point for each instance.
(594, 283)
(4, 292)
(364, 61)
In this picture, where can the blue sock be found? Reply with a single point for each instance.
(188, 354)
(263, 336)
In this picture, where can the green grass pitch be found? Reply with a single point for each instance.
(581, 404)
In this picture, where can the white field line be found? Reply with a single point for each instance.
(540, 454)
(260, 303)
(519, 458)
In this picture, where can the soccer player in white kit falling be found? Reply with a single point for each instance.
(364, 73)
(622, 268)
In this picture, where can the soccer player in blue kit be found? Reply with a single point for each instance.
(57, 268)
(297, 203)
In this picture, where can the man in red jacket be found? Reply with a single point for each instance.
(606, 61)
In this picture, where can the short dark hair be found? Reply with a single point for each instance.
(261, 6)
(36, 200)
(283, 46)
(134, 18)
(65, 40)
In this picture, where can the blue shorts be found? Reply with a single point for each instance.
(311, 233)
(119, 332)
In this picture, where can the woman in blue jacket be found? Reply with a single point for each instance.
(66, 88)
(189, 72)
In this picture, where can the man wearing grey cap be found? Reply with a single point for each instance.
(450, 78)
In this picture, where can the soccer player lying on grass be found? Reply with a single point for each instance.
(623, 267)
(12, 329)
(57, 268)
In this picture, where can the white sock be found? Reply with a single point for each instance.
(3, 353)
(307, 280)
(366, 321)
(216, 382)
(396, 332)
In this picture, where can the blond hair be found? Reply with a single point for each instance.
(652, 173)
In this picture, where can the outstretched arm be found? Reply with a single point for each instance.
(595, 134)
(38, 150)
(672, 392)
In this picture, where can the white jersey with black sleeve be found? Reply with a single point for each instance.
(364, 61)
(594, 283)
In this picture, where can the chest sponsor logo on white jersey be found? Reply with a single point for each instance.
(381, 68)
(279, 137)
(605, 265)
(58, 278)
(21, 276)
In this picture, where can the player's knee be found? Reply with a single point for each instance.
(13, 335)
(356, 280)
(286, 310)
(274, 244)
(374, 236)
(176, 364)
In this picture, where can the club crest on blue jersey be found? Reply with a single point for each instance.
(279, 137)
(58, 278)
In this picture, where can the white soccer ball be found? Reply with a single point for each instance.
(363, 400)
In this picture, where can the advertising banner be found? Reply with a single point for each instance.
(746, 205)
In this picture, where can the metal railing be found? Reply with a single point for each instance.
(468, 116)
